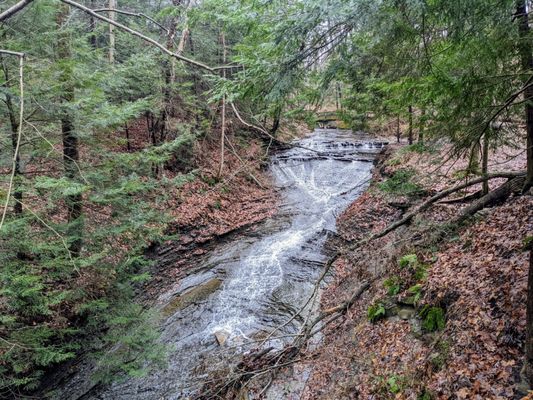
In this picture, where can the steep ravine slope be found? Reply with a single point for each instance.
(447, 302)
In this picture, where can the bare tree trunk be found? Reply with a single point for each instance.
(92, 27)
(195, 78)
(422, 127)
(277, 120)
(526, 55)
(339, 95)
(410, 135)
(485, 163)
(473, 162)
(127, 131)
(112, 16)
(223, 128)
(398, 132)
(336, 98)
(70, 140)
(14, 123)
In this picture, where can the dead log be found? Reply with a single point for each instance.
(441, 195)
(494, 197)
(465, 199)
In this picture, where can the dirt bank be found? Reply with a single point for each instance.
(447, 302)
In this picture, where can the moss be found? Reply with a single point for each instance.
(433, 318)
(401, 183)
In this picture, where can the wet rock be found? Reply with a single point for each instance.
(407, 301)
(192, 296)
(406, 313)
(221, 337)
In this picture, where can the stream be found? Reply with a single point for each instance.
(257, 280)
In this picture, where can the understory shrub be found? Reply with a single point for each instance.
(376, 312)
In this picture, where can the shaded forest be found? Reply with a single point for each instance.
(129, 128)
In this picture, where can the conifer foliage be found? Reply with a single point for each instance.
(102, 101)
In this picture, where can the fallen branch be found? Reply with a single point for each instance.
(334, 313)
(441, 195)
(243, 163)
(261, 362)
(498, 195)
(328, 266)
(14, 9)
(267, 134)
(465, 199)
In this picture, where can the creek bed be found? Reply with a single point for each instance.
(258, 280)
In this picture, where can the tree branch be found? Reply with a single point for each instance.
(19, 133)
(14, 9)
(132, 14)
(139, 35)
(445, 193)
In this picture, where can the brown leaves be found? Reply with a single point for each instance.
(479, 277)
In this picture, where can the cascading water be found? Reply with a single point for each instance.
(258, 280)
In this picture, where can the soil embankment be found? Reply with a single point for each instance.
(445, 313)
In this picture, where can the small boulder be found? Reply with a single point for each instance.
(406, 313)
(221, 337)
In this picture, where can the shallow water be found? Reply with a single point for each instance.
(258, 280)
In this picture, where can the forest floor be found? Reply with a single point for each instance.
(448, 302)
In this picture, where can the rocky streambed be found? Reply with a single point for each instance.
(257, 280)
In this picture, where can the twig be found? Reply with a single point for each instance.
(132, 14)
(266, 133)
(55, 232)
(232, 148)
(54, 149)
(327, 267)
